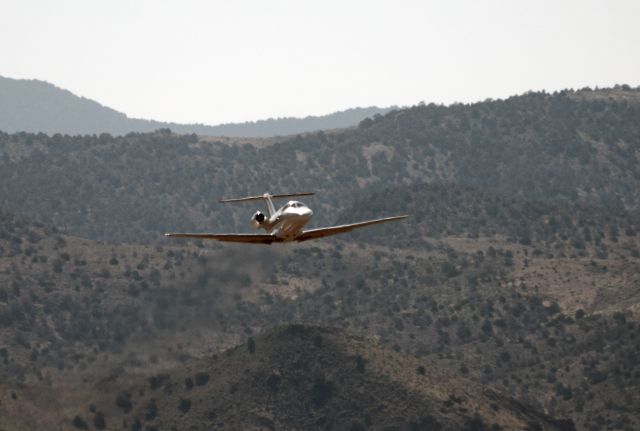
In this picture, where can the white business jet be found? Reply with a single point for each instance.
(283, 225)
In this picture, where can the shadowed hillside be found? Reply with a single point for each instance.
(299, 377)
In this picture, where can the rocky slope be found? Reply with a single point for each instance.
(292, 377)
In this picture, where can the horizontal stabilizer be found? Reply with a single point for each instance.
(264, 196)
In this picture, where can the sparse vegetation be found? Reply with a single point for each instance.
(517, 267)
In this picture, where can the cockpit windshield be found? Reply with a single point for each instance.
(294, 204)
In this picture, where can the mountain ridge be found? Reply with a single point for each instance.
(38, 106)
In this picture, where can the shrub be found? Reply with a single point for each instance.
(56, 266)
(99, 421)
(123, 400)
(322, 391)
(185, 405)
(463, 332)
(188, 383)
(273, 382)
(152, 410)
(202, 379)
(156, 381)
(79, 423)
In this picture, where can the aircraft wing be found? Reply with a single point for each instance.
(333, 230)
(229, 237)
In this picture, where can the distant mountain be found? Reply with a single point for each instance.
(37, 106)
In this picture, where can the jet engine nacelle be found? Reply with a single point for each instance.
(257, 219)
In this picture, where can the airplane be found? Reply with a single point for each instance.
(283, 225)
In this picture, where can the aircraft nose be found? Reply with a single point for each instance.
(309, 213)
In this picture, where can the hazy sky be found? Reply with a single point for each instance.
(214, 61)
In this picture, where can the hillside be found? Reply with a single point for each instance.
(557, 149)
(37, 106)
(294, 377)
(517, 268)
(451, 210)
(557, 332)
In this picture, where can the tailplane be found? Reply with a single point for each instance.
(265, 196)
